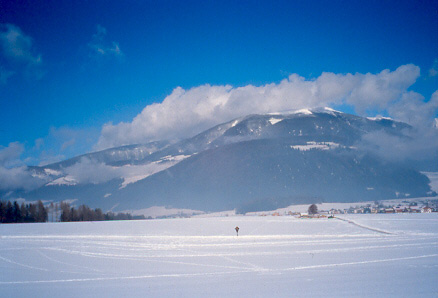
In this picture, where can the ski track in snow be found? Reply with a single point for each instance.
(362, 262)
(229, 254)
(68, 264)
(22, 265)
(95, 258)
(364, 227)
(216, 273)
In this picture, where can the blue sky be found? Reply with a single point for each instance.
(72, 71)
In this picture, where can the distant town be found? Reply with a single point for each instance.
(423, 205)
(379, 208)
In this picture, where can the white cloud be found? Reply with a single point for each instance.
(412, 109)
(186, 112)
(17, 48)
(13, 173)
(381, 90)
(67, 144)
(18, 178)
(17, 45)
(89, 171)
(414, 145)
(38, 143)
(419, 143)
(99, 46)
(9, 156)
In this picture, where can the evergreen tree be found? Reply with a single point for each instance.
(2, 211)
(74, 214)
(16, 213)
(33, 214)
(24, 213)
(9, 212)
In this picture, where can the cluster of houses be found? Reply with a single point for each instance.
(387, 209)
(383, 209)
(405, 207)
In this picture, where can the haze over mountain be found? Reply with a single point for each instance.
(256, 162)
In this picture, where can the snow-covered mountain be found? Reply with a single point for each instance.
(251, 163)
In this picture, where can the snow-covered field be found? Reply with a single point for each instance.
(393, 255)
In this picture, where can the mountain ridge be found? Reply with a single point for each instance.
(278, 158)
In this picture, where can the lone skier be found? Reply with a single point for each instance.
(237, 231)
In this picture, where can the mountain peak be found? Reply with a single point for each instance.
(294, 156)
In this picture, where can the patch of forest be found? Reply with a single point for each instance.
(13, 212)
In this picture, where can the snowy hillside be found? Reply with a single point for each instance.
(257, 162)
(361, 256)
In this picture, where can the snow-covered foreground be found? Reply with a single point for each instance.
(362, 255)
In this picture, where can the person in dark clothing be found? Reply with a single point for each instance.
(237, 230)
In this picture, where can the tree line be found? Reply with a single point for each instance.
(85, 213)
(15, 213)
(64, 212)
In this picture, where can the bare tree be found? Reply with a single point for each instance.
(313, 209)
